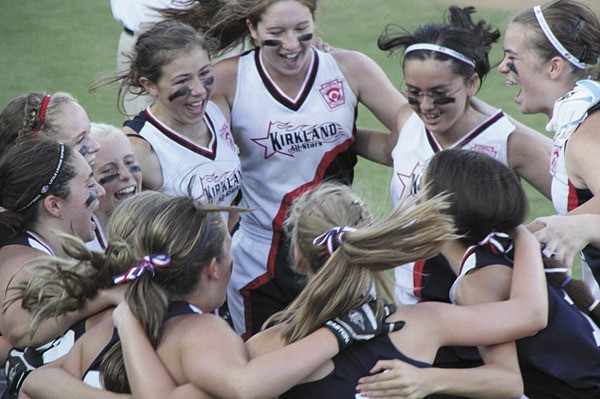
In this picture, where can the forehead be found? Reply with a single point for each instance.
(112, 146)
(82, 168)
(285, 12)
(517, 39)
(72, 121)
(429, 73)
(187, 61)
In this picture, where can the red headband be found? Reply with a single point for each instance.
(43, 108)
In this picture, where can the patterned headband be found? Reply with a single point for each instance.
(537, 10)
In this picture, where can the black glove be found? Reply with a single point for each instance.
(361, 324)
(18, 365)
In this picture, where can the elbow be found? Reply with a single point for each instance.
(538, 320)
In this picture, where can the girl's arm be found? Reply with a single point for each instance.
(15, 321)
(527, 305)
(371, 85)
(225, 370)
(500, 375)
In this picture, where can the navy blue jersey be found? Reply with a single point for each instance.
(566, 352)
(349, 366)
(92, 374)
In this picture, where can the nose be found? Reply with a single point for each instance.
(93, 145)
(198, 87)
(124, 172)
(100, 192)
(426, 102)
(290, 41)
(503, 66)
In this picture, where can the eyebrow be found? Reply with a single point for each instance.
(444, 86)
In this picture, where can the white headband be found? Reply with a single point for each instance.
(552, 39)
(440, 49)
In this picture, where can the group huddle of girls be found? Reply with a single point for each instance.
(120, 249)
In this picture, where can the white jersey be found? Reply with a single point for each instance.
(210, 174)
(416, 145)
(99, 242)
(288, 144)
(411, 155)
(568, 113)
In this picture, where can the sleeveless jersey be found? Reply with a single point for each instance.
(569, 112)
(567, 351)
(92, 375)
(287, 145)
(411, 155)
(212, 173)
(60, 346)
(99, 242)
(350, 365)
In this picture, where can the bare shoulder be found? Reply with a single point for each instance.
(351, 61)
(221, 102)
(13, 257)
(225, 72)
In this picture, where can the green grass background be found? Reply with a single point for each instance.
(65, 45)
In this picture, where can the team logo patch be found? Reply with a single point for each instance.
(411, 181)
(333, 93)
(287, 139)
(488, 150)
(226, 134)
(212, 188)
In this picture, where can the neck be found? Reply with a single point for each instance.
(49, 237)
(454, 252)
(102, 218)
(469, 121)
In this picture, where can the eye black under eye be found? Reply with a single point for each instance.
(444, 100)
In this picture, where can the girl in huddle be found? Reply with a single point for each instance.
(174, 255)
(344, 253)
(487, 202)
(293, 112)
(55, 116)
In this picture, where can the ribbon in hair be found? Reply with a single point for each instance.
(42, 116)
(327, 239)
(148, 263)
(498, 242)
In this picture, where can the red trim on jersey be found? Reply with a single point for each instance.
(468, 253)
(418, 277)
(277, 225)
(572, 198)
(467, 139)
(274, 90)
(210, 153)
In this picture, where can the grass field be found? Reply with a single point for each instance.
(65, 45)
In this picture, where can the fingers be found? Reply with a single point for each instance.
(394, 326)
(389, 309)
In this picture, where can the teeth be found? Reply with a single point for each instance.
(510, 83)
(125, 191)
(290, 56)
(196, 104)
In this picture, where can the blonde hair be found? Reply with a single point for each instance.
(191, 233)
(343, 280)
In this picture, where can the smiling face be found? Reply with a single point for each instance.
(73, 128)
(284, 33)
(116, 170)
(83, 201)
(522, 67)
(183, 89)
(438, 96)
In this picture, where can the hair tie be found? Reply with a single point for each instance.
(440, 49)
(593, 305)
(46, 187)
(327, 239)
(42, 116)
(148, 263)
(565, 282)
(537, 10)
(495, 244)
